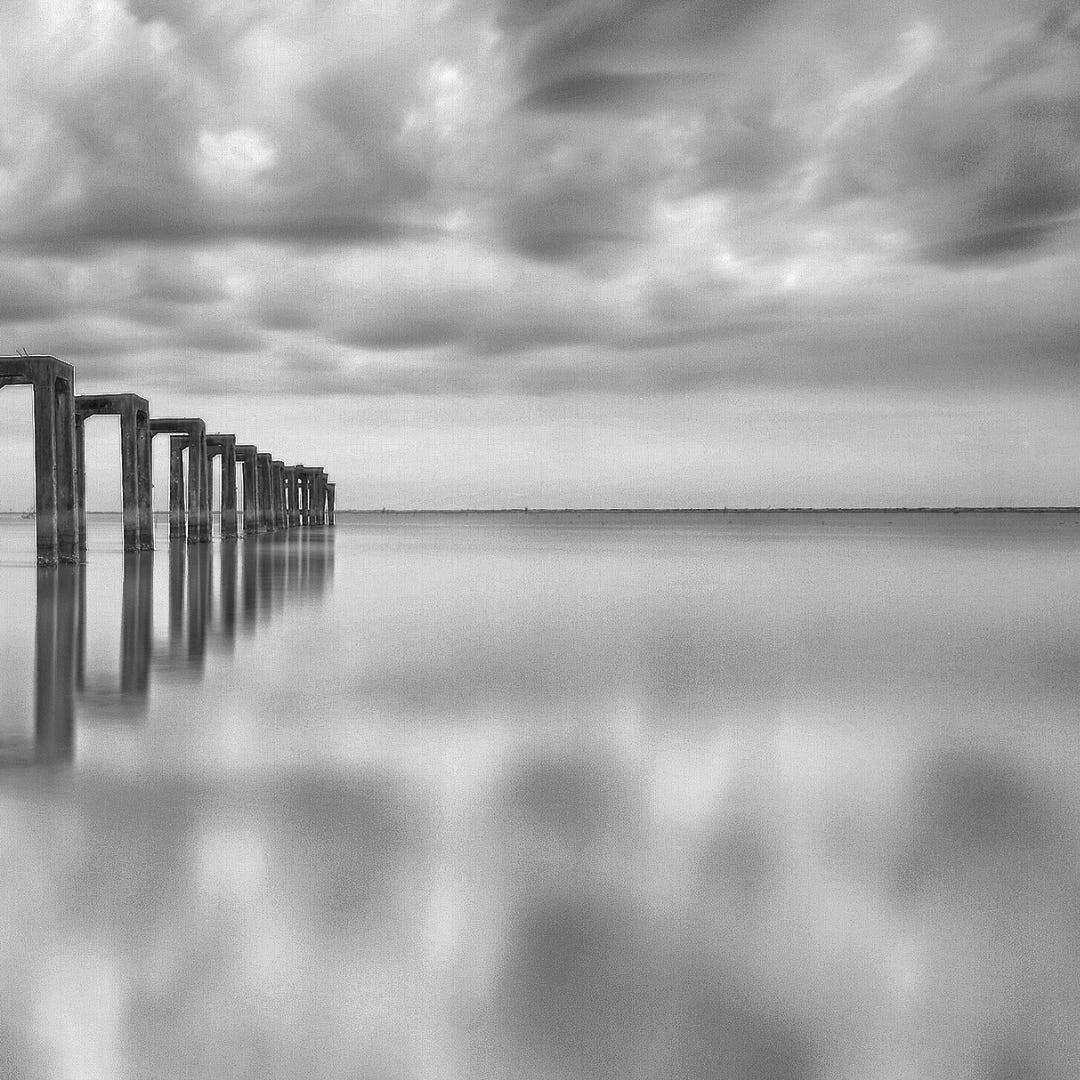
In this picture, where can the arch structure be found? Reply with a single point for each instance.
(55, 484)
(136, 474)
(189, 433)
(248, 456)
(276, 495)
(224, 446)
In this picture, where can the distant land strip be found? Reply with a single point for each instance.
(745, 510)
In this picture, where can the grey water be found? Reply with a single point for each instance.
(559, 796)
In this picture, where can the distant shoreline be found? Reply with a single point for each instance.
(745, 510)
(162, 514)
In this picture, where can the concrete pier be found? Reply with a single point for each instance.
(277, 482)
(276, 496)
(311, 491)
(56, 487)
(198, 500)
(293, 483)
(224, 446)
(247, 455)
(177, 504)
(136, 475)
(303, 493)
(265, 491)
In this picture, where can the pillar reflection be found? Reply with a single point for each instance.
(201, 607)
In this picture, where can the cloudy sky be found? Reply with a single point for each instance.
(560, 252)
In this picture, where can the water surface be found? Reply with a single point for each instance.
(532, 796)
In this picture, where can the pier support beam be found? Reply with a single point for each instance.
(247, 455)
(135, 470)
(225, 447)
(265, 491)
(56, 488)
(198, 502)
(277, 482)
(177, 502)
(292, 500)
(303, 493)
(312, 490)
(330, 503)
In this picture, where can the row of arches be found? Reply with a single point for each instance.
(276, 495)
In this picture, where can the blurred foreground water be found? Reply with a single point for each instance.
(545, 796)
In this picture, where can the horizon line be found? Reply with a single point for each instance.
(723, 510)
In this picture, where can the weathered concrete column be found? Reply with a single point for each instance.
(309, 493)
(319, 483)
(177, 503)
(247, 455)
(56, 487)
(144, 464)
(290, 497)
(199, 521)
(225, 446)
(277, 480)
(303, 488)
(266, 506)
(134, 462)
(330, 504)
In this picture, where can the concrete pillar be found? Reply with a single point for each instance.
(247, 455)
(135, 463)
(56, 485)
(277, 480)
(224, 446)
(177, 511)
(80, 481)
(198, 494)
(290, 496)
(67, 520)
(303, 484)
(265, 489)
(319, 485)
(145, 468)
(199, 518)
(330, 504)
(310, 492)
(229, 525)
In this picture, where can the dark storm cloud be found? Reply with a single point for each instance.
(28, 293)
(614, 92)
(176, 280)
(218, 333)
(982, 160)
(574, 38)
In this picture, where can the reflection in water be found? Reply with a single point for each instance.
(55, 644)
(275, 569)
(555, 807)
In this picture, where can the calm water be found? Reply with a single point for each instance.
(603, 796)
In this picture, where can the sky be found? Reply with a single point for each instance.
(486, 253)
